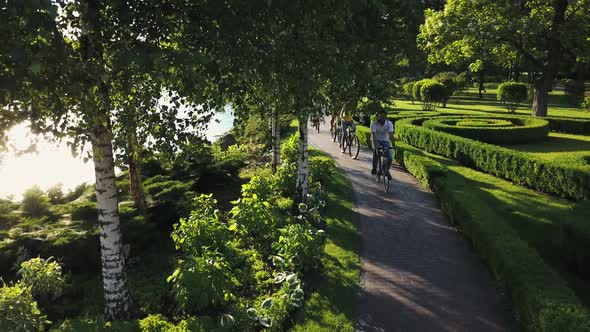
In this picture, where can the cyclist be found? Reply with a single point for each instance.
(382, 136)
(347, 120)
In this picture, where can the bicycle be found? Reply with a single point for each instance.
(336, 132)
(381, 171)
(352, 143)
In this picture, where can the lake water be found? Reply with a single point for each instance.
(54, 164)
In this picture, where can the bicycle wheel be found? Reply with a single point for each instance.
(356, 147)
(379, 168)
(385, 178)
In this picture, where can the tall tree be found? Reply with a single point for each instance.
(544, 33)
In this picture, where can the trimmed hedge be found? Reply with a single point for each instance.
(364, 135)
(505, 163)
(422, 168)
(576, 242)
(541, 299)
(492, 129)
(569, 125)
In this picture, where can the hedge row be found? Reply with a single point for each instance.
(422, 168)
(569, 125)
(541, 299)
(505, 163)
(492, 129)
(576, 242)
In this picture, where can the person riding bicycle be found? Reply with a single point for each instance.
(382, 135)
(347, 120)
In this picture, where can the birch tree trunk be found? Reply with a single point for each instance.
(275, 140)
(135, 183)
(302, 163)
(116, 293)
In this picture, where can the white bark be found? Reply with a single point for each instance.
(275, 139)
(302, 162)
(116, 294)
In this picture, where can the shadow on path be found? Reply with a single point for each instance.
(417, 274)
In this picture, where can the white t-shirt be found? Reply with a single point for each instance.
(382, 131)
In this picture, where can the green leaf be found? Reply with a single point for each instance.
(266, 304)
(227, 320)
(252, 313)
(266, 321)
(35, 68)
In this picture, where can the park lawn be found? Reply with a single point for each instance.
(535, 216)
(573, 150)
(332, 304)
(469, 102)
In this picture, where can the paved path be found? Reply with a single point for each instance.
(417, 273)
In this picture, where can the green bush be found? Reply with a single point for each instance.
(18, 310)
(364, 135)
(204, 227)
(511, 94)
(505, 163)
(254, 219)
(202, 281)
(299, 248)
(290, 149)
(43, 277)
(576, 241)
(408, 89)
(431, 94)
(156, 179)
(417, 88)
(56, 195)
(424, 169)
(541, 299)
(586, 103)
(73, 195)
(35, 203)
(569, 125)
(87, 211)
(449, 81)
(574, 92)
(495, 130)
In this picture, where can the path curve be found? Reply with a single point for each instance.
(417, 273)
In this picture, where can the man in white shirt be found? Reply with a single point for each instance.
(382, 135)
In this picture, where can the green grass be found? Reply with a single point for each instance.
(469, 102)
(562, 148)
(332, 306)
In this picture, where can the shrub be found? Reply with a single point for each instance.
(298, 247)
(586, 103)
(203, 280)
(432, 93)
(290, 149)
(87, 211)
(203, 228)
(449, 81)
(574, 92)
(516, 166)
(73, 195)
(43, 277)
(56, 195)
(253, 218)
(496, 130)
(541, 299)
(408, 89)
(511, 94)
(18, 310)
(35, 203)
(416, 89)
(569, 125)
